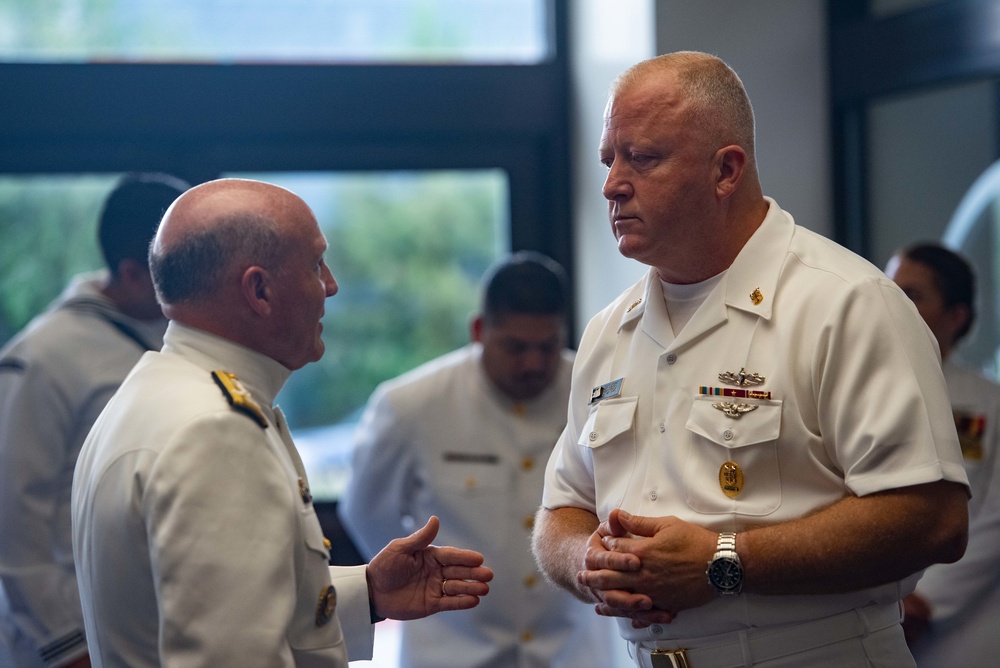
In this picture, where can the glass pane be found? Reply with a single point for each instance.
(290, 31)
(408, 250)
(48, 225)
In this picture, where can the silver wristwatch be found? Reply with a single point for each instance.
(725, 572)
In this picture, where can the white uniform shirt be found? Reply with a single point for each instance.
(195, 538)
(55, 378)
(443, 440)
(965, 596)
(852, 401)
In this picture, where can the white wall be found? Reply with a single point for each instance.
(778, 47)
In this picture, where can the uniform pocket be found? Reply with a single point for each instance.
(731, 464)
(609, 434)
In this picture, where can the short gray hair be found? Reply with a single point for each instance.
(722, 106)
(191, 268)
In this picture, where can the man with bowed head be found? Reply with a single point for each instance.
(193, 528)
(465, 437)
(759, 457)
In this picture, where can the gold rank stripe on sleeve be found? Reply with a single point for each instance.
(736, 392)
(239, 397)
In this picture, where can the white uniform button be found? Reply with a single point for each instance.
(728, 434)
(671, 358)
(663, 427)
(656, 629)
(593, 435)
(652, 495)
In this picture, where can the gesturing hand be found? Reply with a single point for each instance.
(406, 579)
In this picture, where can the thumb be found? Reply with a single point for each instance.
(637, 525)
(422, 537)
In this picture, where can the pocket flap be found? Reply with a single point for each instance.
(608, 419)
(759, 425)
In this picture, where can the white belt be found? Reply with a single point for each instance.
(743, 648)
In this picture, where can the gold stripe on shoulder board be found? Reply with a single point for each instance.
(239, 396)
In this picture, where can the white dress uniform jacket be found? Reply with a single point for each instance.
(851, 400)
(195, 537)
(965, 596)
(443, 440)
(55, 378)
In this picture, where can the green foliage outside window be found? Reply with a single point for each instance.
(48, 228)
(407, 249)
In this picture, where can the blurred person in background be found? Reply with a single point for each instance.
(951, 619)
(55, 378)
(466, 437)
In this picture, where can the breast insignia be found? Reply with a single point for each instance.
(239, 396)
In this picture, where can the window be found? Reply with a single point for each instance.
(259, 31)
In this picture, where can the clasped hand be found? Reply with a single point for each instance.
(647, 568)
(405, 579)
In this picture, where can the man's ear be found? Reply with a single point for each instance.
(476, 329)
(732, 161)
(258, 290)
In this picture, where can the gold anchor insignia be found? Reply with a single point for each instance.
(734, 410)
(633, 305)
(742, 378)
(756, 296)
(731, 479)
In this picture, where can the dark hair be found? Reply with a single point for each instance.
(192, 267)
(526, 282)
(953, 277)
(131, 214)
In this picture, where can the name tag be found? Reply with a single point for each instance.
(471, 458)
(606, 391)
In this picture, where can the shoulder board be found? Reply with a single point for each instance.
(239, 397)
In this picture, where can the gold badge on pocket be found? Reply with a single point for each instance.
(731, 479)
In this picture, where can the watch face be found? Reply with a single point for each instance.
(725, 574)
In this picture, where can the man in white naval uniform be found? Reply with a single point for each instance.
(193, 528)
(55, 378)
(759, 457)
(466, 437)
(951, 619)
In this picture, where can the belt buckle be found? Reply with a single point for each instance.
(669, 658)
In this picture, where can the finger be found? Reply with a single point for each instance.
(458, 588)
(626, 601)
(446, 603)
(644, 618)
(607, 579)
(598, 559)
(614, 524)
(457, 573)
(453, 556)
(420, 538)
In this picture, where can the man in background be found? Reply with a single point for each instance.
(465, 437)
(55, 378)
(951, 619)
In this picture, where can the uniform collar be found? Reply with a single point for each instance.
(263, 376)
(754, 271)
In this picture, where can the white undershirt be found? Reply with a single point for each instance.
(683, 300)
